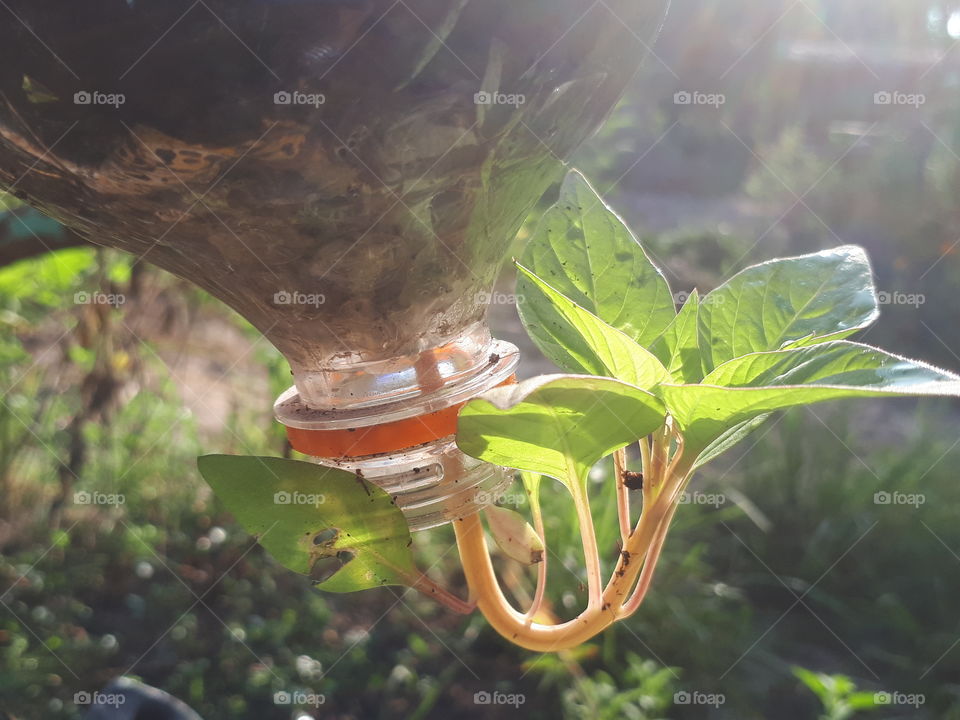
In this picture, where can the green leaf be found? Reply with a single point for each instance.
(583, 249)
(812, 298)
(578, 341)
(678, 347)
(316, 520)
(729, 438)
(759, 383)
(557, 425)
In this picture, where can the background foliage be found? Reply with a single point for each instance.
(800, 565)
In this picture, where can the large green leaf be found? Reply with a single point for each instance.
(759, 383)
(557, 425)
(586, 253)
(578, 341)
(678, 347)
(316, 520)
(813, 298)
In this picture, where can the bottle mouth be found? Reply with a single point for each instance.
(407, 446)
(373, 429)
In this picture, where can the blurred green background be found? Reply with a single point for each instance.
(761, 128)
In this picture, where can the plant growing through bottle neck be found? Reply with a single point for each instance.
(684, 385)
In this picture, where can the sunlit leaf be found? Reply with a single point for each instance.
(584, 251)
(678, 348)
(578, 341)
(557, 425)
(812, 298)
(343, 532)
(759, 383)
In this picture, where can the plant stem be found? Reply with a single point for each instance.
(623, 494)
(542, 565)
(428, 587)
(660, 446)
(649, 566)
(518, 628)
(588, 537)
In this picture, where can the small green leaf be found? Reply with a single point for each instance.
(342, 531)
(514, 535)
(759, 383)
(557, 425)
(812, 298)
(580, 342)
(678, 348)
(584, 250)
(729, 438)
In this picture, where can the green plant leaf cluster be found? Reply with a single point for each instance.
(771, 337)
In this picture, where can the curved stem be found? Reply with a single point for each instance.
(623, 494)
(497, 609)
(514, 626)
(588, 537)
(649, 566)
(541, 566)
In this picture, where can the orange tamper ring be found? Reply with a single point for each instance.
(378, 439)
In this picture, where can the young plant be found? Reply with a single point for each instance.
(684, 385)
